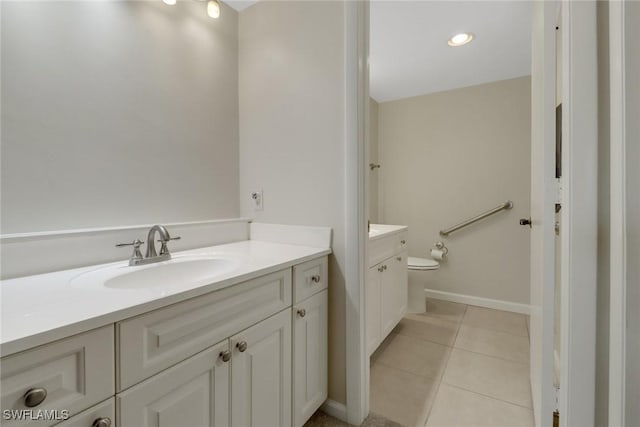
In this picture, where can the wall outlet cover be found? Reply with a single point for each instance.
(258, 200)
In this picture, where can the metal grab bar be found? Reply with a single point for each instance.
(506, 205)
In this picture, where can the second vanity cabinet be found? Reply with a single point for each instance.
(251, 354)
(387, 287)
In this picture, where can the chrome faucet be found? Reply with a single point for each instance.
(151, 255)
(164, 237)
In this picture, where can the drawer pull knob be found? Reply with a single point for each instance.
(241, 346)
(302, 312)
(380, 269)
(34, 397)
(399, 258)
(384, 267)
(225, 355)
(403, 241)
(102, 422)
(315, 278)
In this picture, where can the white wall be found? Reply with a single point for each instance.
(292, 133)
(117, 113)
(448, 156)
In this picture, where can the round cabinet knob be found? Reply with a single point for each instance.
(384, 267)
(403, 241)
(316, 278)
(102, 422)
(302, 312)
(399, 258)
(225, 355)
(380, 269)
(242, 346)
(34, 397)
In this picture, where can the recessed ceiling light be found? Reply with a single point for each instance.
(213, 9)
(170, 2)
(460, 39)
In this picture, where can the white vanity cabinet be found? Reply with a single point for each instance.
(249, 354)
(387, 285)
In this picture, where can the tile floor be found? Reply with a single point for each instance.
(454, 366)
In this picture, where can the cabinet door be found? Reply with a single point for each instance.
(261, 374)
(394, 291)
(400, 277)
(374, 282)
(310, 333)
(194, 392)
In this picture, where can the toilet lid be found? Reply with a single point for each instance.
(422, 263)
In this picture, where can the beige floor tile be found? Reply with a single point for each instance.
(454, 407)
(496, 320)
(504, 380)
(492, 343)
(444, 310)
(428, 328)
(401, 396)
(413, 355)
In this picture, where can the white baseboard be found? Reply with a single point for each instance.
(479, 301)
(335, 409)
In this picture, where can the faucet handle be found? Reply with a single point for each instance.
(168, 240)
(136, 244)
(136, 255)
(164, 249)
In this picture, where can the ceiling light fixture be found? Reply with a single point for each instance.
(460, 39)
(170, 2)
(213, 9)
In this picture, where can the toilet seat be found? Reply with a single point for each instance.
(422, 264)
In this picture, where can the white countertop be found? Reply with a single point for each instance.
(46, 307)
(378, 231)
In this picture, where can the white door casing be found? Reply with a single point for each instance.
(578, 234)
(543, 93)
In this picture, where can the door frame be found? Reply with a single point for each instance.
(356, 27)
(618, 262)
(579, 215)
(577, 393)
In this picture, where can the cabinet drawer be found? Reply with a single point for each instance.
(104, 412)
(400, 242)
(383, 248)
(157, 340)
(310, 278)
(76, 372)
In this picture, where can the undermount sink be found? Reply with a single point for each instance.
(176, 272)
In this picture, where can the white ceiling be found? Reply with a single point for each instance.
(409, 52)
(240, 5)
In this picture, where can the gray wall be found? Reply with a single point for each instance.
(448, 156)
(292, 138)
(117, 113)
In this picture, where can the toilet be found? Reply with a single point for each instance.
(420, 270)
